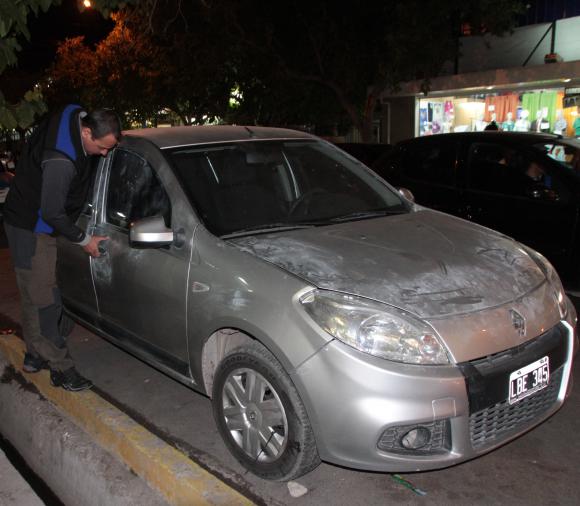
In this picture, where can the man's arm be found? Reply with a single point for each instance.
(57, 174)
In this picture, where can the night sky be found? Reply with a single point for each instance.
(47, 30)
(60, 22)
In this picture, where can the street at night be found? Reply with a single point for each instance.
(289, 253)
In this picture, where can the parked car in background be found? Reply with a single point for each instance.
(525, 185)
(365, 152)
(326, 316)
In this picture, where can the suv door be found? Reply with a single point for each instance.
(427, 167)
(522, 193)
(142, 293)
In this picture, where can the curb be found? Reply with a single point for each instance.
(177, 478)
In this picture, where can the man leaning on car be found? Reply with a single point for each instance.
(47, 195)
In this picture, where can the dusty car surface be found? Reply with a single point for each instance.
(326, 316)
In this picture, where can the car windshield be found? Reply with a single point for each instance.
(566, 152)
(261, 186)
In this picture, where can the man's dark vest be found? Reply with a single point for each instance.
(57, 135)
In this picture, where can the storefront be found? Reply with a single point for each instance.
(533, 110)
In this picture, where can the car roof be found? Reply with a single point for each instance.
(522, 137)
(167, 137)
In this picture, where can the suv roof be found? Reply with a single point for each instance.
(526, 137)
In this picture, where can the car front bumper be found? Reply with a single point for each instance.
(361, 407)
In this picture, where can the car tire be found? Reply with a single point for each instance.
(249, 385)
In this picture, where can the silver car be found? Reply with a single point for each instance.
(328, 317)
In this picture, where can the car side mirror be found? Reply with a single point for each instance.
(150, 233)
(408, 194)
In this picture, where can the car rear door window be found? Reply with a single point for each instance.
(134, 191)
(430, 161)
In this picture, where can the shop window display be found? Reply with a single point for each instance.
(531, 111)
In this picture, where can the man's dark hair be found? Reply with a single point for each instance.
(103, 122)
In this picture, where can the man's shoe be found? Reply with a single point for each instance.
(34, 363)
(69, 380)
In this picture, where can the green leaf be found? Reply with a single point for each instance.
(24, 113)
(45, 4)
(4, 27)
(7, 120)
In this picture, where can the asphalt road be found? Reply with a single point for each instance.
(536, 469)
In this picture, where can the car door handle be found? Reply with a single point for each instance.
(102, 247)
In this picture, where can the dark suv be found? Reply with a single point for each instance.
(522, 184)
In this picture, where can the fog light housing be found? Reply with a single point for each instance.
(418, 439)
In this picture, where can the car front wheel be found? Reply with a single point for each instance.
(261, 417)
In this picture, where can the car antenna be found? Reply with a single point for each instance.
(252, 134)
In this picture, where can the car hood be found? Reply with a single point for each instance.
(425, 262)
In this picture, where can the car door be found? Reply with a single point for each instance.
(141, 293)
(74, 264)
(522, 193)
(427, 167)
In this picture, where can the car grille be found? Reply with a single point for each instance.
(488, 425)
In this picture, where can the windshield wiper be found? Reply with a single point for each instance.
(363, 215)
(270, 227)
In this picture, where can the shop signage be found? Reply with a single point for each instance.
(572, 97)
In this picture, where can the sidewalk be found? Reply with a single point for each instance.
(14, 490)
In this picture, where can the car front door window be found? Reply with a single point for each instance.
(134, 191)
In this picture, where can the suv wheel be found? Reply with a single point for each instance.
(261, 417)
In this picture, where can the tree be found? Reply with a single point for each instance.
(140, 71)
(21, 112)
(13, 17)
(356, 51)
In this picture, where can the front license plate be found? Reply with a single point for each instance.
(529, 379)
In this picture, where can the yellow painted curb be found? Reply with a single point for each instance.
(180, 480)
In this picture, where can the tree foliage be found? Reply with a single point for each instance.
(13, 26)
(142, 72)
(294, 62)
(14, 16)
(352, 51)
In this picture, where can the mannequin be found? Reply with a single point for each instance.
(523, 124)
(537, 123)
(508, 125)
(544, 122)
(560, 125)
(576, 124)
(480, 124)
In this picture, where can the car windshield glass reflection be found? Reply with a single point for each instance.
(262, 186)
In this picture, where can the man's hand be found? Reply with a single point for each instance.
(93, 247)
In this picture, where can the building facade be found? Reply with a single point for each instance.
(525, 81)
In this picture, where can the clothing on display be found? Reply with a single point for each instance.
(576, 126)
(541, 110)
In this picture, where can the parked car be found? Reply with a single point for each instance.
(367, 153)
(326, 316)
(525, 185)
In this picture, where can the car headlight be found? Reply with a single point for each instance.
(374, 328)
(553, 279)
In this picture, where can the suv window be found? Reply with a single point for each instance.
(566, 153)
(497, 168)
(134, 191)
(431, 160)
